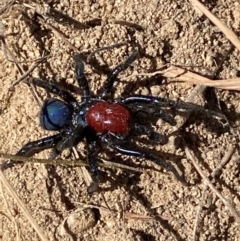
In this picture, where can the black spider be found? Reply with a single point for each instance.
(101, 119)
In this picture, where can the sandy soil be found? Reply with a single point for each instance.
(148, 206)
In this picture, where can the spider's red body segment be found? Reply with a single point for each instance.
(105, 116)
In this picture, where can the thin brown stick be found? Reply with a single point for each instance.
(7, 6)
(126, 215)
(121, 166)
(105, 48)
(48, 12)
(129, 215)
(23, 207)
(12, 58)
(65, 162)
(8, 54)
(88, 205)
(83, 171)
(29, 71)
(59, 34)
(223, 162)
(230, 35)
(198, 89)
(12, 219)
(232, 210)
(213, 175)
(129, 24)
(105, 201)
(182, 75)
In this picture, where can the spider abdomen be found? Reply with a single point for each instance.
(105, 116)
(55, 114)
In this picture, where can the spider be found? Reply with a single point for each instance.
(101, 119)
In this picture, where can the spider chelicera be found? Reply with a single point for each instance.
(102, 119)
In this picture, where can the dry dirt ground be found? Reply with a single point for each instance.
(151, 205)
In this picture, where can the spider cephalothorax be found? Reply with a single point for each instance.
(101, 118)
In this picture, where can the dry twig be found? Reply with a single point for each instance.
(20, 203)
(230, 35)
(129, 24)
(193, 159)
(7, 6)
(28, 72)
(65, 162)
(12, 218)
(83, 171)
(59, 34)
(182, 75)
(105, 48)
(126, 215)
(24, 74)
(212, 176)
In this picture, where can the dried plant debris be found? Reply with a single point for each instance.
(50, 202)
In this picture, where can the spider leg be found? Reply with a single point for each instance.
(81, 78)
(92, 149)
(145, 99)
(142, 154)
(161, 102)
(57, 90)
(152, 135)
(70, 137)
(114, 73)
(153, 111)
(165, 117)
(34, 147)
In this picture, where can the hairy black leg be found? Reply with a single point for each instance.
(92, 148)
(81, 78)
(154, 111)
(145, 99)
(70, 138)
(165, 117)
(129, 151)
(152, 135)
(57, 90)
(34, 147)
(114, 73)
(161, 102)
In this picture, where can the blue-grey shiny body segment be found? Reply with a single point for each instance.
(55, 114)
